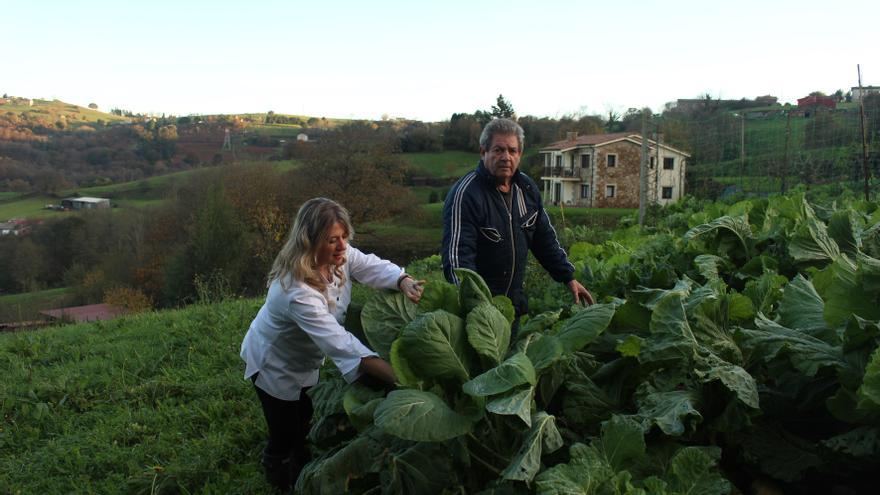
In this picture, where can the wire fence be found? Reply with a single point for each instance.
(772, 150)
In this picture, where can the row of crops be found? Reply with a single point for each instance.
(733, 349)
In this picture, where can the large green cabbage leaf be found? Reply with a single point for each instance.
(435, 346)
(542, 437)
(440, 294)
(513, 372)
(802, 308)
(585, 326)
(420, 416)
(738, 226)
(472, 289)
(869, 391)
(488, 332)
(514, 402)
(806, 353)
(383, 318)
(671, 411)
(356, 459)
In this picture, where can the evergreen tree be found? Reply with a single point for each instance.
(503, 109)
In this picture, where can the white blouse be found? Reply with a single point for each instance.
(294, 330)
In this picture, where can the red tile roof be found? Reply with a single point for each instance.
(591, 139)
(92, 312)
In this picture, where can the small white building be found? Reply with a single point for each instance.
(85, 203)
(859, 93)
(302, 137)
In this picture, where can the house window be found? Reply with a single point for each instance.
(653, 161)
(573, 158)
(667, 193)
(610, 189)
(559, 161)
(585, 191)
(668, 163)
(585, 161)
(611, 160)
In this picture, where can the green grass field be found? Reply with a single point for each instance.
(154, 403)
(30, 208)
(443, 164)
(27, 306)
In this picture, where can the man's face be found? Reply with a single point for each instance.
(502, 157)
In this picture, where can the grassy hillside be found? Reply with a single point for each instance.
(153, 403)
(73, 115)
(134, 194)
(27, 306)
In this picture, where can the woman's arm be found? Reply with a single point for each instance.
(378, 368)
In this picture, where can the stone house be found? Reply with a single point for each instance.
(602, 171)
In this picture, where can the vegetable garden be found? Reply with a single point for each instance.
(733, 349)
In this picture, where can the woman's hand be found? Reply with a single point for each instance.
(412, 288)
(378, 368)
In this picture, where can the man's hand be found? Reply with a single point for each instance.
(581, 294)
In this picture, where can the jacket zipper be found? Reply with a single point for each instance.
(510, 231)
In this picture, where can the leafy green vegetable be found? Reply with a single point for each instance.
(472, 289)
(488, 332)
(383, 317)
(541, 437)
(420, 416)
(437, 342)
(518, 402)
(514, 371)
(440, 294)
(585, 326)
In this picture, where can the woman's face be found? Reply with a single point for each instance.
(331, 251)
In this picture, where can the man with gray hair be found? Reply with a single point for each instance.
(493, 217)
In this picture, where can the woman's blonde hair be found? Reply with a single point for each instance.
(297, 259)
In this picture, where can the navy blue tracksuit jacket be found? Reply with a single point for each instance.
(481, 233)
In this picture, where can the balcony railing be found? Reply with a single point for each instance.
(567, 172)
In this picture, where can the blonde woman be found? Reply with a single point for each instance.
(301, 322)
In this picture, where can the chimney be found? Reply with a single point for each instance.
(571, 136)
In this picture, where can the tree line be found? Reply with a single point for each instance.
(214, 236)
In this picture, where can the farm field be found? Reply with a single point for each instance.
(27, 306)
(724, 337)
(443, 164)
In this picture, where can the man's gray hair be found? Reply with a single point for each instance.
(501, 126)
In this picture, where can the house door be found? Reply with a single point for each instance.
(557, 193)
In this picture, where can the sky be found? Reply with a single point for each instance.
(425, 60)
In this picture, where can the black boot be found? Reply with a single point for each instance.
(277, 470)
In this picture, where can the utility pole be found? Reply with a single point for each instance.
(742, 151)
(643, 168)
(787, 140)
(865, 171)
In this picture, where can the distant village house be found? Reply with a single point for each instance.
(16, 226)
(602, 171)
(859, 93)
(85, 203)
(817, 101)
